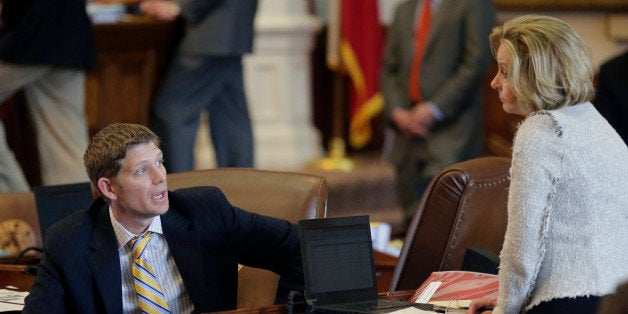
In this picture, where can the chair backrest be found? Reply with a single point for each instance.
(288, 195)
(55, 202)
(463, 206)
(24, 216)
(19, 226)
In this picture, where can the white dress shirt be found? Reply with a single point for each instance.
(157, 255)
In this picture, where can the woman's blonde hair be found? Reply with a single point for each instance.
(550, 65)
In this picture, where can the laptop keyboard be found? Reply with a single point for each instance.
(374, 305)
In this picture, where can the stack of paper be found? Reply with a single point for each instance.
(11, 300)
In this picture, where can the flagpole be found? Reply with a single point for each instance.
(336, 149)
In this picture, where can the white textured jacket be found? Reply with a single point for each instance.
(567, 231)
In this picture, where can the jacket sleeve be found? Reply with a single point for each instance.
(535, 177)
(194, 11)
(273, 244)
(46, 294)
(256, 240)
(392, 81)
(455, 91)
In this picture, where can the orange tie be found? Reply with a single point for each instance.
(420, 39)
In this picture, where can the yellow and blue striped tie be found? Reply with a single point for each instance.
(149, 292)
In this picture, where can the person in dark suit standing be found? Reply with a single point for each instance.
(196, 239)
(45, 46)
(206, 73)
(436, 58)
(611, 99)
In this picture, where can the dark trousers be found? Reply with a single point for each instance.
(578, 305)
(195, 83)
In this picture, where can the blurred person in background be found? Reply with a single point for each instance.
(436, 59)
(45, 47)
(206, 74)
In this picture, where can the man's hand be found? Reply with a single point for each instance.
(405, 122)
(422, 114)
(165, 10)
(414, 122)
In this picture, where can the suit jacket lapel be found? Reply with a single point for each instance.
(104, 261)
(185, 247)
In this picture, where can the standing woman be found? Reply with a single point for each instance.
(566, 243)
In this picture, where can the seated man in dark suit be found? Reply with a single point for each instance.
(142, 247)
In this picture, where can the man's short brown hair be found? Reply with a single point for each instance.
(103, 156)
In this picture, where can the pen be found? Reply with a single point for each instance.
(485, 308)
(482, 309)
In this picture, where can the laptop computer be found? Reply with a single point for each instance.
(54, 202)
(339, 268)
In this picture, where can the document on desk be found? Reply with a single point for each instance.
(457, 285)
(411, 310)
(428, 292)
(414, 310)
(11, 300)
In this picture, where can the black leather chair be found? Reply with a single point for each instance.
(480, 260)
(54, 202)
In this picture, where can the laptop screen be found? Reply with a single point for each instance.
(337, 258)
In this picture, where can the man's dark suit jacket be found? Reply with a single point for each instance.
(208, 237)
(45, 32)
(218, 27)
(611, 99)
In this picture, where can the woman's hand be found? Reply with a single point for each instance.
(482, 306)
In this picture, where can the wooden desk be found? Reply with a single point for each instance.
(283, 308)
(384, 267)
(18, 276)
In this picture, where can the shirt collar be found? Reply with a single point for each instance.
(124, 236)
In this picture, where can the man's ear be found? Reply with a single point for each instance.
(104, 185)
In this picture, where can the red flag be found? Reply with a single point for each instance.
(361, 42)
